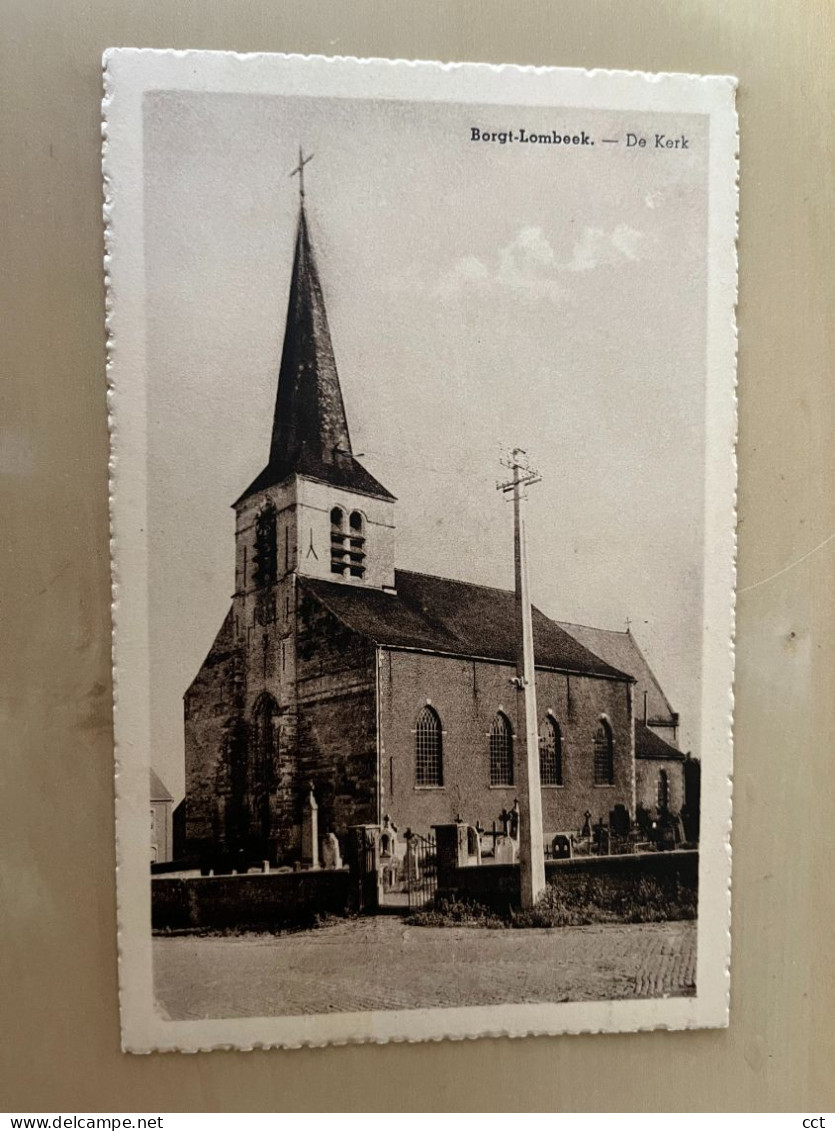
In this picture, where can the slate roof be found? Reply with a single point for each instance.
(158, 791)
(344, 471)
(458, 618)
(620, 649)
(310, 431)
(649, 746)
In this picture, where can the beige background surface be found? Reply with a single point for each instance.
(58, 1003)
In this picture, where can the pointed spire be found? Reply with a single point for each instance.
(310, 431)
(309, 412)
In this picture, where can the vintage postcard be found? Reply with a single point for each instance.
(421, 381)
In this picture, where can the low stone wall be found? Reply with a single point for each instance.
(497, 886)
(182, 864)
(270, 899)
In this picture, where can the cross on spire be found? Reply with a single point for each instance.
(299, 169)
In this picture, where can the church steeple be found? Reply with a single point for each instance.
(310, 434)
(309, 413)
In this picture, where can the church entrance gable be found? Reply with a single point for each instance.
(255, 786)
(212, 708)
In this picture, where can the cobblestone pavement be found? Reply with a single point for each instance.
(379, 963)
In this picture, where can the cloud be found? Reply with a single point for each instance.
(470, 269)
(530, 266)
(527, 265)
(597, 247)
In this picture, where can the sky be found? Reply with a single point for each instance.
(480, 296)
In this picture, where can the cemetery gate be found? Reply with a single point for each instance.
(363, 863)
(420, 871)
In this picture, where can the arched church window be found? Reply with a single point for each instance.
(501, 751)
(357, 545)
(339, 548)
(429, 755)
(265, 556)
(663, 790)
(550, 752)
(604, 754)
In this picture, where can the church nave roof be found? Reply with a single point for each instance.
(621, 650)
(457, 618)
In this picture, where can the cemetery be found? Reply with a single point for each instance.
(606, 864)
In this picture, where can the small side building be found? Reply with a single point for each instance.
(162, 821)
(659, 763)
(659, 772)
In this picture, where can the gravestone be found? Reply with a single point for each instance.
(388, 840)
(472, 845)
(331, 856)
(447, 848)
(619, 821)
(310, 830)
(601, 838)
(515, 819)
(411, 866)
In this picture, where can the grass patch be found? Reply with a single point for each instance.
(642, 900)
(590, 901)
(456, 913)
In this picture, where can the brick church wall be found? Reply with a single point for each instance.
(337, 718)
(466, 695)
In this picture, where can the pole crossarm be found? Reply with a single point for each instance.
(523, 474)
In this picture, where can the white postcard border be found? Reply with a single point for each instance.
(128, 75)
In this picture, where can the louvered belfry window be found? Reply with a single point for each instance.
(429, 757)
(339, 549)
(501, 751)
(356, 544)
(347, 545)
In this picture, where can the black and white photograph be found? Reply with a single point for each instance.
(422, 427)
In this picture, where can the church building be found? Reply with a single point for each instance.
(389, 691)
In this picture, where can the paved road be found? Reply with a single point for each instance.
(379, 963)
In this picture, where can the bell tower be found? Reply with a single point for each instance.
(334, 520)
(314, 511)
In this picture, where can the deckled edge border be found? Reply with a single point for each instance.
(113, 463)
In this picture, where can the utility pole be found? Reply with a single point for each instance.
(531, 850)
